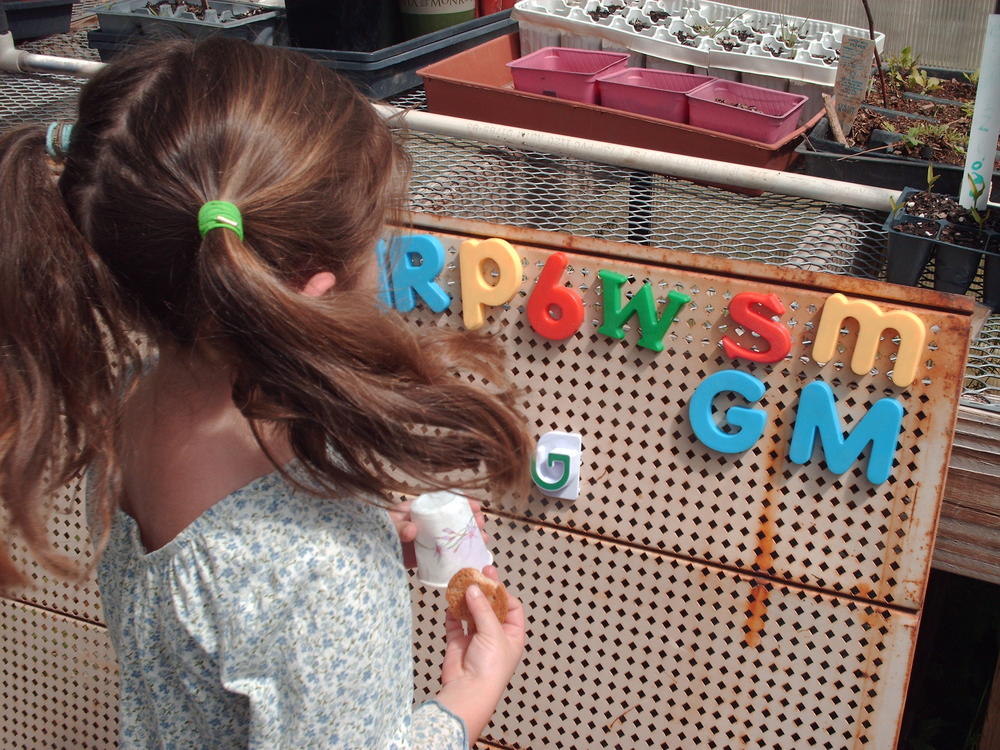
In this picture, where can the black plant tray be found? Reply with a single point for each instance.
(393, 70)
(955, 265)
(30, 19)
(382, 73)
(821, 156)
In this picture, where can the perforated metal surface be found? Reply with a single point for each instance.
(652, 483)
(629, 649)
(58, 682)
(695, 599)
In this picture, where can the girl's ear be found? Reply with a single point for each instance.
(319, 284)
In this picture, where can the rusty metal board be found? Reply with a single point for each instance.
(634, 649)
(693, 598)
(647, 480)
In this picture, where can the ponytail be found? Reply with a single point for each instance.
(370, 404)
(63, 355)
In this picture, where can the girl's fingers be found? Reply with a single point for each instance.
(491, 572)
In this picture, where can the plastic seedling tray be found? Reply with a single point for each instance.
(685, 33)
(134, 17)
(656, 93)
(565, 73)
(725, 106)
(30, 19)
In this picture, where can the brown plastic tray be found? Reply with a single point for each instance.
(476, 84)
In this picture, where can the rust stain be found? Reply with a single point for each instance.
(620, 718)
(756, 610)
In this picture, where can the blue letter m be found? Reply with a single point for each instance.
(817, 415)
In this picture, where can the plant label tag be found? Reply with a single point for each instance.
(854, 75)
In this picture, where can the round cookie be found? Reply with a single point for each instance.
(494, 591)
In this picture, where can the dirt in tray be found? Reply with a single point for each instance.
(943, 141)
(198, 9)
(918, 228)
(738, 105)
(937, 206)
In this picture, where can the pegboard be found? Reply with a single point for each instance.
(58, 681)
(690, 598)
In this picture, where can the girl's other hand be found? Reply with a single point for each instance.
(407, 530)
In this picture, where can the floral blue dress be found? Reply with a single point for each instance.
(275, 620)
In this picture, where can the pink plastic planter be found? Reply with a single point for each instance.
(564, 73)
(778, 115)
(656, 93)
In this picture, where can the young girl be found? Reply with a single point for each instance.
(223, 200)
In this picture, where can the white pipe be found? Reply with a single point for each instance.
(647, 160)
(985, 127)
(13, 60)
(32, 63)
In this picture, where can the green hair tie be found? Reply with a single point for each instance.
(220, 215)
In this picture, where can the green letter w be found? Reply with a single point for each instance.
(641, 304)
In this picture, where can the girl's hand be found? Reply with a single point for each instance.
(407, 530)
(479, 663)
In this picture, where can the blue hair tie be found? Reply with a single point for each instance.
(58, 150)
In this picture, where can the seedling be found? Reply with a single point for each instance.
(972, 78)
(924, 83)
(977, 191)
(931, 178)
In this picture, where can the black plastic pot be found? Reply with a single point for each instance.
(30, 19)
(955, 266)
(348, 26)
(906, 257)
(991, 277)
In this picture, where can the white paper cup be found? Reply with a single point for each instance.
(448, 538)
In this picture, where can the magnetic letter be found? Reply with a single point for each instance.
(817, 415)
(741, 309)
(477, 292)
(642, 305)
(750, 421)
(555, 467)
(550, 293)
(872, 321)
(408, 277)
(384, 292)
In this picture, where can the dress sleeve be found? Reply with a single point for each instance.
(318, 638)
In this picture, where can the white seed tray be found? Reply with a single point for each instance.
(727, 41)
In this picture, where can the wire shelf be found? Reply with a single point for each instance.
(472, 180)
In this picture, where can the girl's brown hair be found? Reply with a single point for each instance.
(370, 405)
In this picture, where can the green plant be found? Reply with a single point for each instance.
(919, 80)
(920, 135)
(790, 35)
(931, 177)
(901, 65)
(977, 192)
(972, 78)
